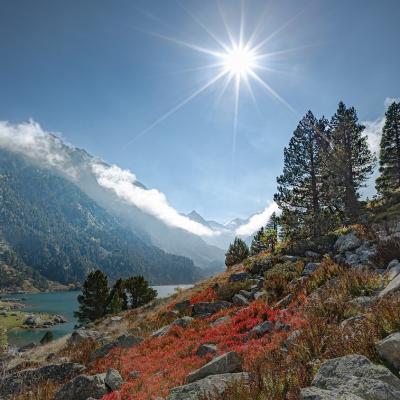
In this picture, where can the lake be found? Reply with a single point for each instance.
(63, 303)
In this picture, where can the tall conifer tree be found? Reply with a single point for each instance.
(350, 162)
(389, 158)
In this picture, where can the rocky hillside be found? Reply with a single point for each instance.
(276, 327)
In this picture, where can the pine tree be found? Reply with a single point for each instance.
(258, 244)
(237, 252)
(389, 158)
(301, 188)
(94, 297)
(139, 291)
(118, 299)
(350, 162)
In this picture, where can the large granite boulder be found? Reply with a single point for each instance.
(206, 348)
(81, 335)
(226, 363)
(206, 387)
(353, 377)
(124, 341)
(22, 381)
(83, 387)
(389, 350)
(182, 322)
(113, 379)
(261, 329)
(347, 242)
(240, 300)
(393, 286)
(209, 308)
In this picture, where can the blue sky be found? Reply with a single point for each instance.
(90, 70)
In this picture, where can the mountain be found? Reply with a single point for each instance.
(51, 230)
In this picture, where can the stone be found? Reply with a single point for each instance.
(134, 374)
(206, 348)
(27, 379)
(245, 293)
(59, 319)
(392, 271)
(389, 350)
(209, 308)
(113, 379)
(125, 341)
(393, 263)
(240, 300)
(82, 387)
(284, 302)
(82, 335)
(261, 329)
(220, 321)
(205, 387)
(393, 286)
(347, 242)
(309, 269)
(292, 338)
(239, 277)
(259, 294)
(353, 377)
(226, 363)
(183, 306)
(182, 322)
(312, 254)
(32, 320)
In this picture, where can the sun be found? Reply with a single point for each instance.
(239, 61)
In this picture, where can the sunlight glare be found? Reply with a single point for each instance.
(239, 61)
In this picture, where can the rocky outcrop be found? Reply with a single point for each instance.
(261, 329)
(347, 242)
(239, 277)
(113, 380)
(389, 350)
(226, 363)
(205, 349)
(309, 268)
(82, 335)
(125, 341)
(206, 309)
(206, 387)
(352, 377)
(83, 387)
(393, 286)
(182, 322)
(22, 381)
(240, 300)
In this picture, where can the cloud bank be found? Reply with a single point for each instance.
(152, 201)
(257, 221)
(51, 151)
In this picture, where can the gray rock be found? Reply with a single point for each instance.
(113, 379)
(261, 329)
(23, 381)
(125, 341)
(226, 363)
(59, 319)
(312, 254)
(393, 286)
(239, 277)
(347, 242)
(259, 294)
(292, 338)
(284, 302)
(134, 374)
(354, 375)
(280, 326)
(245, 293)
(81, 335)
(206, 348)
(182, 322)
(183, 306)
(309, 269)
(220, 321)
(206, 387)
(389, 350)
(205, 308)
(82, 387)
(314, 393)
(240, 300)
(392, 271)
(32, 320)
(393, 263)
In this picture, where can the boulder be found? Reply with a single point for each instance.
(393, 263)
(182, 322)
(134, 374)
(226, 363)
(27, 379)
(292, 338)
(220, 321)
(240, 300)
(261, 329)
(82, 387)
(209, 308)
(389, 350)
(59, 319)
(32, 320)
(125, 341)
(309, 269)
(393, 286)
(312, 254)
(353, 377)
(245, 293)
(183, 306)
(113, 379)
(239, 277)
(392, 270)
(206, 348)
(259, 294)
(82, 335)
(284, 302)
(205, 387)
(347, 242)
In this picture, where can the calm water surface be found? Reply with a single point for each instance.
(63, 303)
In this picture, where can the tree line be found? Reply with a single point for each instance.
(97, 299)
(326, 164)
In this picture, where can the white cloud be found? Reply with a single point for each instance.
(390, 100)
(257, 221)
(31, 140)
(151, 201)
(373, 131)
